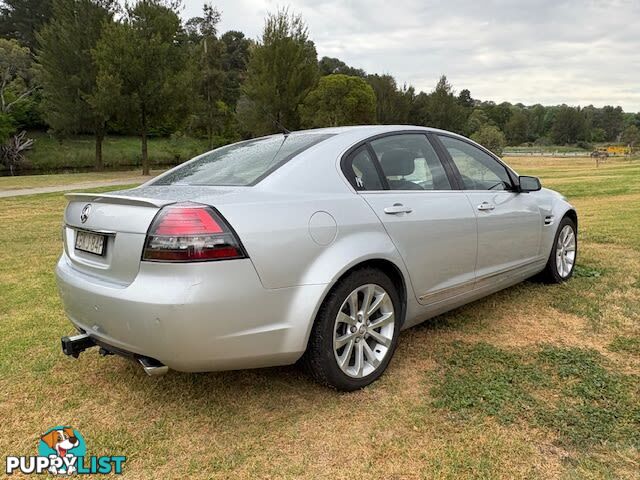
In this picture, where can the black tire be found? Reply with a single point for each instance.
(319, 359)
(550, 273)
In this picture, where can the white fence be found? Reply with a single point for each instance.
(544, 154)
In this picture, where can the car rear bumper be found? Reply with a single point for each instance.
(193, 317)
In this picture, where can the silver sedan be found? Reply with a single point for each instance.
(321, 245)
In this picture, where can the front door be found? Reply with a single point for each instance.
(432, 226)
(509, 223)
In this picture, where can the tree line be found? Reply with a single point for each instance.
(97, 67)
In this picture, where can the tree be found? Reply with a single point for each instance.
(465, 100)
(611, 119)
(69, 73)
(631, 136)
(235, 59)
(476, 121)
(392, 104)
(568, 125)
(440, 109)
(19, 86)
(598, 135)
(206, 62)
(491, 138)
(7, 127)
(141, 68)
(339, 100)
(21, 19)
(498, 114)
(16, 87)
(329, 66)
(16, 75)
(283, 69)
(516, 128)
(535, 125)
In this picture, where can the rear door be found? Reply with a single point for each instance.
(431, 224)
(509, 223)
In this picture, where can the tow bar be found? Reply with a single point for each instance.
(75, 345)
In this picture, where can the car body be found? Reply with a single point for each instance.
(388, 198)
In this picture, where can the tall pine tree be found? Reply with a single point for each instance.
(282, 70)
(141, 68)
(22, 19)
(69, 74)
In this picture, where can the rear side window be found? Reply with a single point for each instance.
(361, 171)
(241, 164)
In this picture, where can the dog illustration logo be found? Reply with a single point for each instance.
(63, 451)
(65, 442)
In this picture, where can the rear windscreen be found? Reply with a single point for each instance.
(241, 164)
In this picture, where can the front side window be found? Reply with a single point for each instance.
(409, 162)
(478, 169)
(243, 163)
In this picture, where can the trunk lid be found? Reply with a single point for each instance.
(122, 219)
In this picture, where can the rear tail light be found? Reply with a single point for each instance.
(190, 232)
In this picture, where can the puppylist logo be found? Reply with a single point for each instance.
(62, 451)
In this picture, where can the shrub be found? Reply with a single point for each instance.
(490, 137)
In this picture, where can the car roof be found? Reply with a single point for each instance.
(364, 131)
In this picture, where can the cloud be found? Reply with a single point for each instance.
(545, 51)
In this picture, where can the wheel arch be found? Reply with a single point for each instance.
(391, 270)
(573, 215)
(386, 266)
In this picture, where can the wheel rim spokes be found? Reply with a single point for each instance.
(363, 330)
(565, 251)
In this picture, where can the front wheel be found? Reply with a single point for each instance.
(355, 332)
(564, 252)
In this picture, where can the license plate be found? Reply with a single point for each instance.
(90, 242)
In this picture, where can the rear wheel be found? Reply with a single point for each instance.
(356, 331)
(562, 259)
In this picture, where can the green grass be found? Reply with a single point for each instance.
(568, 391)
(534, 382)
(578, 177)
(482, 378)
(119, 152)
(546, 149)
(622, 344)
(63, 179)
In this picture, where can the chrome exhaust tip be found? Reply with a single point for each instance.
(152, 367)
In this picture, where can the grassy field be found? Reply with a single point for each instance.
(119, 152)
(534, 382)
(62, 179)
(546, 149)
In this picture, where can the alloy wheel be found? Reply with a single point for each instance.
(363, 330)
(565, 251)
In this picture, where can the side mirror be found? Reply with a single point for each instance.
(529, 184)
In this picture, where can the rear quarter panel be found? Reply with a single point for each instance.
(281, 237)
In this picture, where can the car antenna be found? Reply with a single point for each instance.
(275, 121)
(285, 130)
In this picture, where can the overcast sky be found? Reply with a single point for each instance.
(578, 52)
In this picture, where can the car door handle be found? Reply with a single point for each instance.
(486, 206)
(397, 208)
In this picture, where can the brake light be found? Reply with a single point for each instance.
(190, 232)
